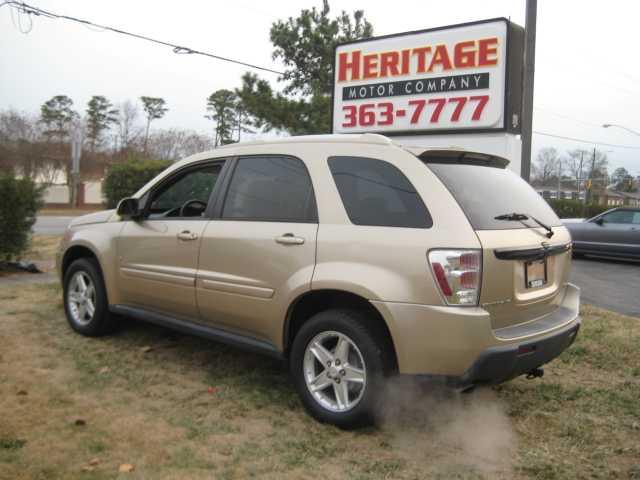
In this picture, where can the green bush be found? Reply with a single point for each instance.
(576, 209)
(124, 179)
(20, 200)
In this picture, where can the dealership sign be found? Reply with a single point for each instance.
(462, 78)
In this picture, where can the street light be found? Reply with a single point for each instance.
(607, 125)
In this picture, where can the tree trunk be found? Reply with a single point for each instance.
(146, 136)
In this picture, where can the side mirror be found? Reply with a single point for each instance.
(128, 208)
(600, 221)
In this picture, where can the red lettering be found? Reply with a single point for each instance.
(439, 103)
(482, 101)
(345, 66)
(464, 54)
(487, 52)
(389, 64)
(421, 54)
(460, 101)
(370, 66)
(406, 61)
(440, 57)
(419, 104)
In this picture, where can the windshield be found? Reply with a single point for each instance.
(486, 192)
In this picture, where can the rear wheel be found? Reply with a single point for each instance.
(85, 299)
(338, 367)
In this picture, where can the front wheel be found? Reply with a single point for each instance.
(85, 299)
(338, 367)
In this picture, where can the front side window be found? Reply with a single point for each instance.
(270, 188)
(619, 216)
(186, 195)
(376, 193)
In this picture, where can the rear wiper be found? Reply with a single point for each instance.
(519, 217)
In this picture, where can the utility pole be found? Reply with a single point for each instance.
(579, 178)
(76, 151)
(527, 86)
(590, 182)
(559, 178)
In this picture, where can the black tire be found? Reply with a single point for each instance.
(102, 322)
(354, 325)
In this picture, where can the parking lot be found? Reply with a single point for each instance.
(610, 284)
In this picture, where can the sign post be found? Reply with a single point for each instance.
(458, 85)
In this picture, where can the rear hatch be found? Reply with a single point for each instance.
(525, 264)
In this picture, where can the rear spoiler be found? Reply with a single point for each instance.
(460, 157)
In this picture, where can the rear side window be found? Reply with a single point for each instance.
(486, 192)
(376, 193)
(270, 188)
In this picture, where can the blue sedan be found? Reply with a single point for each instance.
(614, 233)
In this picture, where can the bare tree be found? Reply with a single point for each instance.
(174, 143)
(576, 164)
(128, 129)
(25, 149)
(546, 166)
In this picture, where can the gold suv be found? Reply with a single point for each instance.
(349, 256)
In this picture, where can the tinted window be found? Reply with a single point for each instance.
(485, 192)
(270, 188)
(196, 184)
(376, 193)
(619, 216)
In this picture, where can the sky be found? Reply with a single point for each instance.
(587, 68)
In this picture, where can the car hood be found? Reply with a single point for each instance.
(98, 217)
(572, 220)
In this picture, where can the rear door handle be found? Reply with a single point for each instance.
(187, 235)
(289, 239)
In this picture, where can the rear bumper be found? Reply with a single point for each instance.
(460, 343)
(499, 364)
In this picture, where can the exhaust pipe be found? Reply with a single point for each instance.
(535, 373)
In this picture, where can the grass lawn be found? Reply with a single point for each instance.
(175, 407)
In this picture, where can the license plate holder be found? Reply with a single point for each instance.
(535, 273)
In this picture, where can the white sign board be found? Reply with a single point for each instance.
(446, 80)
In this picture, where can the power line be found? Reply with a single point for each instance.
(30, 10)
(566, 117)
(591, 142)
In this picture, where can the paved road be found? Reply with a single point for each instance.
(610, 284)
(46, 225)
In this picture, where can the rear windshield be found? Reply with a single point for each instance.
(485, 192)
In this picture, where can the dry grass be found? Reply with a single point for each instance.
(42, 248)
(187, 408)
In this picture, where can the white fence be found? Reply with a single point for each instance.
(60, 194)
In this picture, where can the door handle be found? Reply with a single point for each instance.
(289, 239)
(187, 235)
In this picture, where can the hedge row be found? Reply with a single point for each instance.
(576, 209)
(20, 199)
(124, 179)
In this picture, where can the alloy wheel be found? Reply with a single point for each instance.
(334, 371)
(81, 298)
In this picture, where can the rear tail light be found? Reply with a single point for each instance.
(458, 275)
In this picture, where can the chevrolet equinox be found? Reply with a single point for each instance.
(350, 256)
